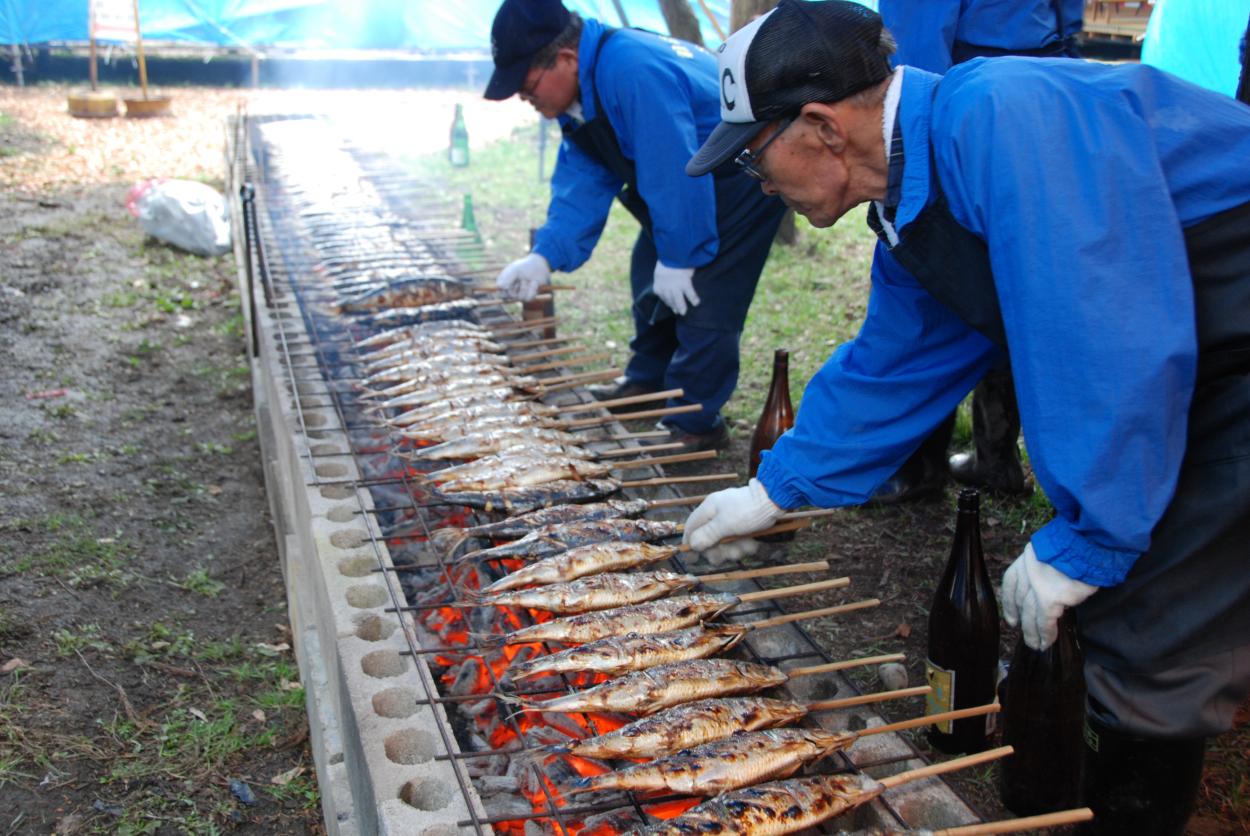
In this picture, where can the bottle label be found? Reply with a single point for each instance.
(459, 155)
(941, 696)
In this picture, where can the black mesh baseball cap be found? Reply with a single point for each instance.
(520, 30)
(802, 51)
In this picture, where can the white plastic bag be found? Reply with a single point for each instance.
(184, 213)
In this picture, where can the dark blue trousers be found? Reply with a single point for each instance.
(698, 352)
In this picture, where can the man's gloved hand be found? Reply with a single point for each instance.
(729, 513)
(675, 287)
(1035, 594)
(522, 278)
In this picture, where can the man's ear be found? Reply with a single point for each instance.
(826, 123)
(567, 54)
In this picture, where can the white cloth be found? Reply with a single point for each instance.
(675, 287)
(522, 278)
(1035, 595)
(730, 513)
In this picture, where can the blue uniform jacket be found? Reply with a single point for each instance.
(662, 101)
(926, 30)
(1080, 178)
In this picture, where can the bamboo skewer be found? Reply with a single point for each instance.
(676, 458)
(568, 361)
(866, 699)
(930, 719)
(791, 591)
(1056, 819)
(639, 448)
(766, 572)
(521, 327)
(678, 480)
(677, 501)
(633, 416)
(845, 664)
(491, 301)
(778, 620)
(626, 401)
(946, 766)
(551, 352)
(581, 378)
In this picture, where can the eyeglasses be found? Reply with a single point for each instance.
(527, 91)
(749, 159)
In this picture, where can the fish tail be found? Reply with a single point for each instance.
(589, 783)
(489, 641)
(447, 540)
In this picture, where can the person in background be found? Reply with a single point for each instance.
(633, 106)
(1113, 275)
(935, 35)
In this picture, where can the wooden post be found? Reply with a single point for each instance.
(681, 21)
(143, 67)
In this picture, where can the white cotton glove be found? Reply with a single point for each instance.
(675, 287)
(730, 513)
(1035, 594)
(522, 278)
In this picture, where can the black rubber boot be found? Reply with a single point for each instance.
(995, 463)
(1139, 786)
(923, 475)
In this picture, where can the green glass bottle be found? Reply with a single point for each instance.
(458, 152)
(468, 221)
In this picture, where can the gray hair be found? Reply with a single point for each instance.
(568, 38)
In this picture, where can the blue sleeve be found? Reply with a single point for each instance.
(879, 396)
(924, 30)
(652, 109)
(582, 192)
(1090, 264)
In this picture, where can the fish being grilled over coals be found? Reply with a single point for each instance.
(652, 617)
(536, 450)
(447, 540)
(620, 654)
(520, 471)
(414, 293)
(436, 384)
(484, 444)
(420, 421)
(458, 429)
(772, 809)
(548, 540)
(480, 385)
(395, 317)
(442, 328)
(520, 500)
(413, 367)
(658, 688)
(399, 352)
(578, 562)
(741, 760)
(595, 592)
(687, 725)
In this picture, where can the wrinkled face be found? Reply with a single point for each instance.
(551, 90)
(808, 175)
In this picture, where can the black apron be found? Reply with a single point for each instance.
(1189, 595)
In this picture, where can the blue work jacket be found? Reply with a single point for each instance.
(661, 98)
(1080, 179)
(926, 30)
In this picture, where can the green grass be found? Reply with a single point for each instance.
(66, 546)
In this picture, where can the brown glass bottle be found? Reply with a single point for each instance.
(778, 414)
(1043, 717)
(963, 636)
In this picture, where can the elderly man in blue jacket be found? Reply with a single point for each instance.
(1091, 224)
(633, 106)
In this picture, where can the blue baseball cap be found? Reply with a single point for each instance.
(520, 30)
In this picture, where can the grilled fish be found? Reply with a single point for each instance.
(558, 537)
(691, 724)
(413, 293)
(429, 417)
(442, 327)
(772, 809)
(454, 430)
(458, 309)
(414, 367)
(520, 471)
(396, 354)
(596, 592)
(744, 759)
(484, 444)
(634, 652)
(655, 689)
(652, 617)
(581, 561)
(520, 500)
(447, 540)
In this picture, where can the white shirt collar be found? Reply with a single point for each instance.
(889, 115)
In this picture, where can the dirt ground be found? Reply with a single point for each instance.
(146, 678)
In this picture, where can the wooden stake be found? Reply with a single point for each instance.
(679, 480)
(1056, 819)
(848, 663)
(791, 591)
(143, 65)
(766, 572)
(946, 766)
(820, 613)
(632, 399)
(942, 717)
(865, 699)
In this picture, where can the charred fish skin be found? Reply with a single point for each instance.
(657, 616)
(557, 537)
(656, 689)
(771, 809)
(692, 724)
(520, 500)
(572, 564)
(622, 654)
(596, 592)
(518, 526)
(741, 760)
(524, 472)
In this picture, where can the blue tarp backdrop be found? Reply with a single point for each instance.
(433, 25)
(1198, 40)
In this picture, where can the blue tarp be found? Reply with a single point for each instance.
(1198, 40)
(432, 25)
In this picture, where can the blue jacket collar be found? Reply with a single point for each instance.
(915, 115)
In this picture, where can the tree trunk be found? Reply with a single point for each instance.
(743, 12)
(681, 20)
